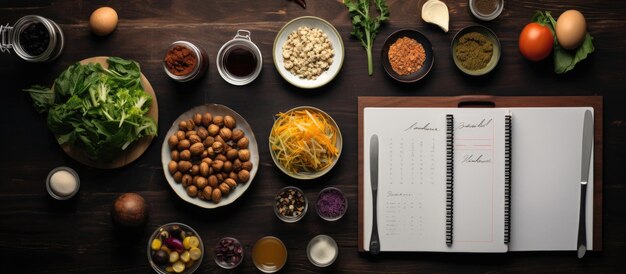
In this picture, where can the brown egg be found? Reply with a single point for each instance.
(571, 29)
(103, 21)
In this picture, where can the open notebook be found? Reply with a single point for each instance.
(475, 180)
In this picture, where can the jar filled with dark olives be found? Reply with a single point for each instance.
(33, 38)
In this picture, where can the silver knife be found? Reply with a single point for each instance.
(584, 179)
(374, 241)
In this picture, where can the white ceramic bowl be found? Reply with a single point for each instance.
(333, 36)
(214, 109)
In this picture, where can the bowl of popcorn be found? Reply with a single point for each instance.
(308, 52)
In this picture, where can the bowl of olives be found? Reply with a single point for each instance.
(175, 248)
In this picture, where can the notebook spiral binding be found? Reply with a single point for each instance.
(507, 179)
(449, 176)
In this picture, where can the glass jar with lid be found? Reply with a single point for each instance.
(33, 38)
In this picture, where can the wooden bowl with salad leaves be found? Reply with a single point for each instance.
(305, 142)
(102, 111)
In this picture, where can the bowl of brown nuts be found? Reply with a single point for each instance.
(210, 156)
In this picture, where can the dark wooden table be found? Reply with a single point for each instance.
(39, 234)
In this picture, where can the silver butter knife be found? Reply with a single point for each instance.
(374, 241)
(584, 179)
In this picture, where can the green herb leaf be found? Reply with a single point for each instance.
(364, 26)
(43, 97)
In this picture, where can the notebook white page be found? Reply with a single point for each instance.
(545, 187)
(411, 190)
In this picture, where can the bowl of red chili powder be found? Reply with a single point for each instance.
(407, 55)
(331, 204)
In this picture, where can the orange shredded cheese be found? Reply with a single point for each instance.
(304, 140)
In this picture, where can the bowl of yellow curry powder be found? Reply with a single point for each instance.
(476, 50)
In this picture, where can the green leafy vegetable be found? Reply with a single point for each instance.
(101, 111)
(365, 26)
(564, 60)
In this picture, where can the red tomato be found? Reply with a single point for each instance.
(535, 42)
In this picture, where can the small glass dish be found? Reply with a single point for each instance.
(269, 254)
(322, 250)
(331, 204)
(288, 208)
(186, 245)
(486, 10)
(229, 253)
(201, 66)
(56, 195)
(241, 45)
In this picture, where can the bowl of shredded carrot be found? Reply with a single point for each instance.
(305, 142)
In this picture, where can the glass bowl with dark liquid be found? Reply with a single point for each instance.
(239, 61)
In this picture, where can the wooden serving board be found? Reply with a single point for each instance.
(134, 150)
(500, 102)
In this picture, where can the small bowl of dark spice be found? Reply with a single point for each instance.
(407, 55)
(290, 204)
(331, 204)
(185, 61)
(476, 50)
(486, 10)
(228, 253)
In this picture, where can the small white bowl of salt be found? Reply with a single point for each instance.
(62, 183)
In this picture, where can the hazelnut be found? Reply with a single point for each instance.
(247, 165)
(213, 130)
(204, 169)
(229, 122)
(197, 119)
(189, 133)
(243, 175)
(183, 144)
(206, 119)
(195, 170)
(213, 181)
(204, 154)
(244, 155)
(218, 120)
(232, 154)
(226, 133)
(220, 177)
(233, 175)
(178, 177)
(208, 141)
(210, 152)
(243, 142)
(202, 133)
(182, 125)
(217, 147)
(230, 182)
(192, 191)
(175, 155)
(228, 166)
(185, 155)
(209, 161)
(206, 192)
(187, 180)
(221, 157)
(237, 134)
(224, 188)
(237, 164)
(172, 166)
(190, 125)
(195, 180)
(172, 141)
(193, 139)
(196, 149)
(202, 182)
(184, 166)
(180, 135)
(217, 165)
(216, 195)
